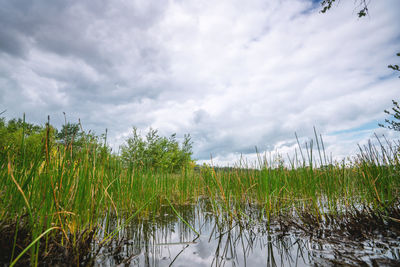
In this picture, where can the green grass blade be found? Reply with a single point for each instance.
(31, 244)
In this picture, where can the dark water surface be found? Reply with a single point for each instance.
(166, 240)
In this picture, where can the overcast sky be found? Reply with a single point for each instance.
(233, 74)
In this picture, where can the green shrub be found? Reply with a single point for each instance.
(156, 152)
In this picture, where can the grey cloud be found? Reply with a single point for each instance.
(12, 43)
(235, 75)
(85, 30)
(200, 116)
(90, 33)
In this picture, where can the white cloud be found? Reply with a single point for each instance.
(234, 74)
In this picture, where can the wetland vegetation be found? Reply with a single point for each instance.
(66, 199)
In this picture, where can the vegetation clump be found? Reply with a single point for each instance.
(156, 152)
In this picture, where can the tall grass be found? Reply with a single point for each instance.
(72, 191)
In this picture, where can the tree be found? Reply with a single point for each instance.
(394, 123)
(395, 67)
(69, 133)
(156, 152)
(20, 142)
(327, 4)
(76, 140)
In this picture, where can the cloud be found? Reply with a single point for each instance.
(234, 75)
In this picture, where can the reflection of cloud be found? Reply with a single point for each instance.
(213, 248)
(235, 75)
(202, 249)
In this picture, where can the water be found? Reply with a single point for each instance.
(166, 240)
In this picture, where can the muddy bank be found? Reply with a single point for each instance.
(358, 237)
(54, 249)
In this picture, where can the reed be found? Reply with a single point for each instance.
(71, 192)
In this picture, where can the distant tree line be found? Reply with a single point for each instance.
(19, 139)
(26, 143)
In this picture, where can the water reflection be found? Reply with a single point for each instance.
(166, 241)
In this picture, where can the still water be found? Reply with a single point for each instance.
(165, 240)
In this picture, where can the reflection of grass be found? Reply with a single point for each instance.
(287, 239)
(72, 191)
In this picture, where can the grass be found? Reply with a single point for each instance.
(70, 192)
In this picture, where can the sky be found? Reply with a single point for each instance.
(234, 74)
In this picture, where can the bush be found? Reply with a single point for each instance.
(156, 152)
